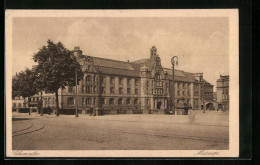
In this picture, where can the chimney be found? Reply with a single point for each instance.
(77, 52)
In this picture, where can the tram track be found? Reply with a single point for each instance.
(28, 132)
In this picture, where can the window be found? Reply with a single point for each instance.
(128, 90)
(103, 90)
(127, 101)
(88, 89)
(136, 91)
(188, 93)
(70, 88)
(95, 79)
(94, 101)
(152, 91)
(119, 101)
(179, 93)
(158, 76)
(19, 105)
(88, 78)
(120, 90)
(83, 101)
(120, 81)
(112, 80)
(147, 101)
(103, 101)
(14, 105)
(94, 89)
(179, 85)
(103, 79)
(112, 90)
(88, 101)
(183, 93)
(128, 81)
(70, 101)
(136, 82)
(147, 86)
(136, 101)
(111, 101)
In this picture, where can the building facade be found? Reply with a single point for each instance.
(223, 92)
(118, 87)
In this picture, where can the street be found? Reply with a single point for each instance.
(210, 131)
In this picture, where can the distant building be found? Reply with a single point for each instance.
(215, 96)
(223, 92)
(118, 87)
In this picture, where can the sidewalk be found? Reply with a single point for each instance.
(208, 118)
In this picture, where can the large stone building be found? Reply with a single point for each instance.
(118, 87)
(223, 92)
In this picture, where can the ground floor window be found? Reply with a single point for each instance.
(88, 100)
(127, 101)
(111, 101)
(136, 101)
(103, 101)
(70, 101)
(147, 101)
(119, 101)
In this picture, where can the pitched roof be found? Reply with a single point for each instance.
(114, 67)
(180, 75)
(122, 68)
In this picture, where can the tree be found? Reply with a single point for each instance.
(23, 85)
(56, 68)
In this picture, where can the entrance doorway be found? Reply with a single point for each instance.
(159, 105)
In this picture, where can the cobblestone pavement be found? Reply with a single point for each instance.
(120, 132)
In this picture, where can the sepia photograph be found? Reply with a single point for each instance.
(122, 83)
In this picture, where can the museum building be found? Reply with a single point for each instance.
(122, 87)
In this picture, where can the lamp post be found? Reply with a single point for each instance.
(173, 90)
(76, 94)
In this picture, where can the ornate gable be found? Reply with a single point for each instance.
(88, 65)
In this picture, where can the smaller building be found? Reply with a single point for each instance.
(223, 92)
(18, 103)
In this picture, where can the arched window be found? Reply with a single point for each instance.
(127, 101)
(136, 101)
(88, 79)
(70, 101)
(119, 101)
(111, 101)
(157, 76)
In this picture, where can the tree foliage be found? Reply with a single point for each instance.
(56, 68)
(23, 84)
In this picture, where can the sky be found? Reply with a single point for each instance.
(201, 43)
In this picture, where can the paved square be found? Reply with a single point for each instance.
(121, 132)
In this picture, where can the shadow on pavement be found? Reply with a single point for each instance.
(18, 119)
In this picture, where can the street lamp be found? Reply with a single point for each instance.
(173, 61)
(76, 93)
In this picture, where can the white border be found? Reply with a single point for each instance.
(233, 69)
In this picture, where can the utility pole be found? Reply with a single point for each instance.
(76, 94)
(173, 90)
(41, 105)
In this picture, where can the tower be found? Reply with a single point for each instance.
(77, 52)
(144, 99)
(153, 53)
